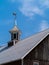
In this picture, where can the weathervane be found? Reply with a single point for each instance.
(14, 14)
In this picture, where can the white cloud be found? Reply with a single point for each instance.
(26, 11)
(43, 25)
(37, 11)
(30, 7)
(44, 3)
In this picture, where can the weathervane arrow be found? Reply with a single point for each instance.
(14, 14)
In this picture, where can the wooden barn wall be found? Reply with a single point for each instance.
(13, 63)
(39, 54)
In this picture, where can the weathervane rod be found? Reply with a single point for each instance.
(14, 14)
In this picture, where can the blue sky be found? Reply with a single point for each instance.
(32, 17)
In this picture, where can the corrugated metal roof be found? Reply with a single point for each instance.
(22, 48)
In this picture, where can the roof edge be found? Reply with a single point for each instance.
(9, 61)
(34, 46)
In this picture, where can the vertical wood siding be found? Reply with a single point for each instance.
(39, 54)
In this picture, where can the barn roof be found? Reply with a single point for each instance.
(22, 48)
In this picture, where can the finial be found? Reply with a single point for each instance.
(14, 14)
